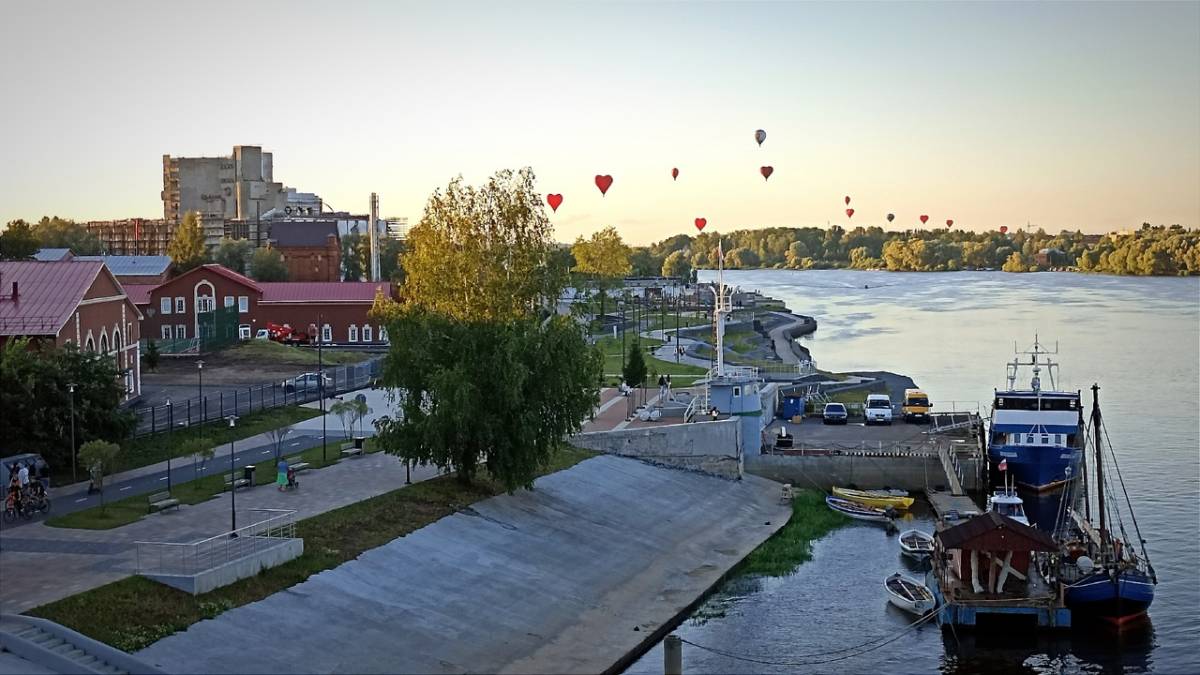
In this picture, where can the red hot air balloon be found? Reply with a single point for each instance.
(949, 223)
(849, 213)
(674, 174)
(847, 200)
(603, 182)
(924, 219)
(554, 201)
(700, 223)
(1003, 229)
(760, 136)
(891, 217)
(766, 171)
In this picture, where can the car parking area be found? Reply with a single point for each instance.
(812, 431)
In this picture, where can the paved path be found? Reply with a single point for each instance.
(784, 342)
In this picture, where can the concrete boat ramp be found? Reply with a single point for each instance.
(592, 565)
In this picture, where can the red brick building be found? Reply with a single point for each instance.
(72, 302)
(310, 249)
(336, 310)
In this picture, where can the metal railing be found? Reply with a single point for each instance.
(157, 557)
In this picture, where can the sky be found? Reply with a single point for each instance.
(1063, 115)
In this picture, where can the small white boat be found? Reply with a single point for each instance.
(858, 511)
(916, 544)
(909, 595)
(1007, 503)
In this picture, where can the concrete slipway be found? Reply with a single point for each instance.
(553, 580)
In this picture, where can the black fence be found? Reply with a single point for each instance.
(220, 405)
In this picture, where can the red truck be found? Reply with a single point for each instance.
(285, 334)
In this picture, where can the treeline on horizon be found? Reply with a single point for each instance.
(1147, 251)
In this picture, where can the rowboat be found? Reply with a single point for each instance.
(880, 499)
(916, 544)
(856, 510)
(909, 595)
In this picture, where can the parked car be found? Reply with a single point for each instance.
(835, 413)
(916, 405)
(307, 382)
(878, 409)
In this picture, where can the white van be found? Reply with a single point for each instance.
(878, 409)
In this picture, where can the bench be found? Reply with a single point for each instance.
(299, 466)
(786, 494)
(233, 482)
(161, 500)
(351, 451)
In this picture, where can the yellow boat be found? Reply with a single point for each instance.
(880, 499)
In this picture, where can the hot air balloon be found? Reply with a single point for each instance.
(760, 136)
(949, 223)
(891, 217)
(924, 219)
(849, 213)
(554, 201)
(847, 200)
(674, 174)
(766, 171)
(700, 223)
(1003, 229)
(603, 182)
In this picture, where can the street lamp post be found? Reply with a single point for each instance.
(232, 483)
(170, 435)
(200, 376)
(71, 389)
(321, 382)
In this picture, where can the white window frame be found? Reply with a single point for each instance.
(244, 331)
(164, 305)
(243, 304)
(229, 300)
(181, 331)
(383, 334)
(352, 333)
(205, 304)
(326, 333)
(366, 332)
(166, 332)
(180, 305)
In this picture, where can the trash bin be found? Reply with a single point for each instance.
(358, 441)
(248, 473)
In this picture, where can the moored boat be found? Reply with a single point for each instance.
(916, 544)
(880, 499)
(909, 595)
(858, 511)
(1006, 502)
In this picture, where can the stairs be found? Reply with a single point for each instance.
(61, 650)
(951, 468)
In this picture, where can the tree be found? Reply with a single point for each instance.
(267, 265)
(232, 253)
(677, 266)
(187, 248)
(634, 372)
(483, 252)
(150, 357)
(18, 241)
(100, 459)
(277, 436)
(1015, 263)
(55, 232)
(741, 258)
(644, 263)
(349, 411)
(353, 266)
(604, 258)
(200, 448)
(389, 260)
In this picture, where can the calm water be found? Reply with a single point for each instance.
(953, 333)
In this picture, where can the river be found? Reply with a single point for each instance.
(953, 333)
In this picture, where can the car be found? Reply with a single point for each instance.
(877, 409)
(916, 406)
(262, 334)
(835, 413)
(307, 382)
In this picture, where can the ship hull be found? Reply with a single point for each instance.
(1038, 468)
(1101, 597)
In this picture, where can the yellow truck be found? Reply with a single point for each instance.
(916, 406)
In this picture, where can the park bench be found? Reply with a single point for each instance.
(348, 450)
(299, 466)
(233, 482)
(161, 500)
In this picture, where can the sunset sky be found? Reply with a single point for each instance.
(1070, 115)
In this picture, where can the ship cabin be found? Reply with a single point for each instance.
(1036, 418)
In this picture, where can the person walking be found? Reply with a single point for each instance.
(23, 475)
(281, 474)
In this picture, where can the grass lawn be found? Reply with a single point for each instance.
(132, 509)
(682, 374)
(280, 354)
(781, 554)
(132, 613)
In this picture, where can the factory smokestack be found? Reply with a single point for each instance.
(373, 229)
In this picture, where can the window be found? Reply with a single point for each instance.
(244, 331)
(180, 306)
(326, 333)
(243, 304)
(205, 303)
(383, 334)
(737, 391)
(180, 332)
(366, 333)
(164, 306)
(229, 301)
(1029, 439)
(353, 333)
(166, 333)
(90, 345)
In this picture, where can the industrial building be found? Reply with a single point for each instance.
(238, 187)
(133, 236)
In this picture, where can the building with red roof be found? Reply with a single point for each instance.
(72, 302)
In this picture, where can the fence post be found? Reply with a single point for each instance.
(189, 412)
(235, 402)
(272, 394)
(221, 403)
(152, 420)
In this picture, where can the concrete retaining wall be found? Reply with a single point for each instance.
(906, 473)
(242, 568)
(713, 448)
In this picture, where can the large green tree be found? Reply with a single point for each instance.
(390, 267)
(18, 241)
(356, 257)
(267, 265)
(233, 253)
(604, 259)
(677, 266)
(187, 249)
(55, 232)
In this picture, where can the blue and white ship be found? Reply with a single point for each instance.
(1037, 432)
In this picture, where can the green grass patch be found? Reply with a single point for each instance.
(682, 374)
(135, 612)
(792, 545)
(280, 354)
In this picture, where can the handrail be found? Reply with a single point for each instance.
(193, 557)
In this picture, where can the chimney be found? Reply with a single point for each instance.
(373, 232)
(15, 295)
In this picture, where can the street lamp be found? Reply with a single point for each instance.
(321, 381)
(200, 376)
(170, 434)
(232, 483)
(71, 389)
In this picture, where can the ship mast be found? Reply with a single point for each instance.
(1099, 461)
(721, 307)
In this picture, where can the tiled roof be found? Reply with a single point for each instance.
(139, 294)
(52, 254)
(290, 233)
(323, 291)
(1017, 536)
(132, 265)
(48, 292)
(230, 274)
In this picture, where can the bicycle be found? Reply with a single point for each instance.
(37, 504)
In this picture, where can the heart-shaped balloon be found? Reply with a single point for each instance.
(1003, 229)
(766, 171)
(554, 201)
(675, 174)
(849, 213)
(847, 200)
(924, 219)
(603, 182)
(949, 223)
(700, 223)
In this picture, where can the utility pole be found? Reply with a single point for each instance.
(170, 436)
(71, 389)
(232, 484)
(321, 382)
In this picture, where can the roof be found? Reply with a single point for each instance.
(323, 291)
(225, 272)
(139, 294)
(132, 265)
(48, 292)
(52, 254)
(992, 531)
(296, 233)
